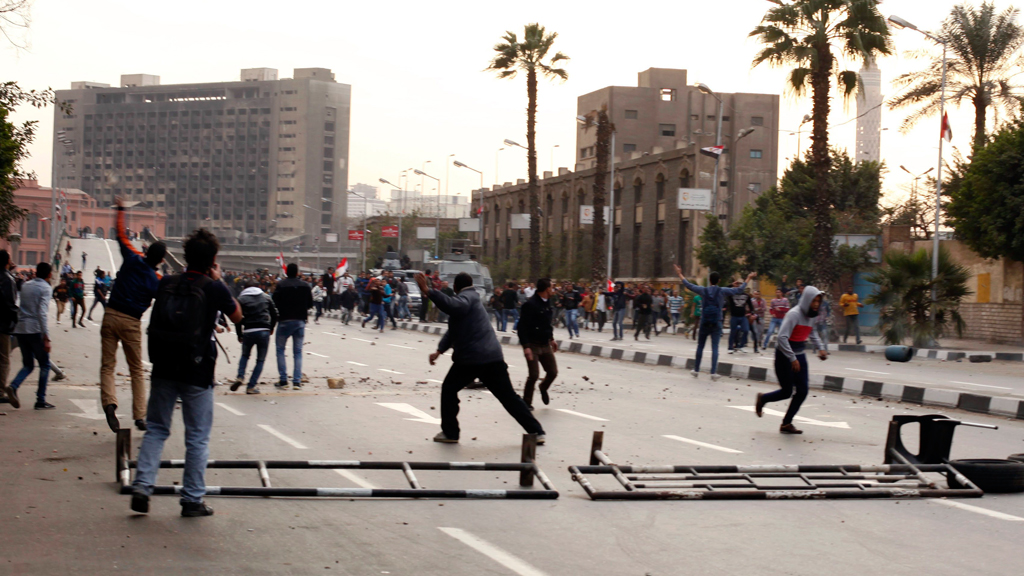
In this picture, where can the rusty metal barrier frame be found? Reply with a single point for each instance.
(527, 468)
(810, 482)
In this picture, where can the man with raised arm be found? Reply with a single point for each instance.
(712, 300)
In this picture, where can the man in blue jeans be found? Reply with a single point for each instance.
(509, 306)
(739, 306)
(33, 336)
(712, 300)
(571, 303)
(259, 318)
(619, 300)
(183, 365)
(293, 299)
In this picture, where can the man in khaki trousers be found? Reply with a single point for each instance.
(133, 292)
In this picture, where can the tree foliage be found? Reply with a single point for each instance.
(716, 252)
(981, 69)
(530, 55)
(807, 34)
(904, 297)
(986, 208)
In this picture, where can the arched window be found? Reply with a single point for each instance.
(32, 226)
(99, 232)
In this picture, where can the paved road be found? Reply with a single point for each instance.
(62, 512)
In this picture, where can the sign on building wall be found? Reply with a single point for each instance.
(425, 232)
(469, 224)
(331, 237)
(389, 231)
(520, 221)
(694, 199)
(587, 214)
(355, 234)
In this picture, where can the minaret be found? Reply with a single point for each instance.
(869, 114)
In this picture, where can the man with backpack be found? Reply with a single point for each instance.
(712, 301)
(184, 356)
(293, 299)
(133, 292)
(259, 317)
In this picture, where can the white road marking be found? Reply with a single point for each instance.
(868, 371)
(315, 354)
(356, 363)
(981, 385)
(418, 415)
(500, 556)
(581, 415)
(230, 409)
(355, 479)
(284, 438)
(435, 381)
(400, 346)
(976, 509)
(331, 333)
(390, 371)
(703, 444)
(361, 340)
(801, 419)
(90, 409)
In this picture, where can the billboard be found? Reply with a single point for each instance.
(520, 221)
(331, 237)
(389, 231)
(694, 199)
(469, 224)
(587, 214)
(355, 234)
(425, 232)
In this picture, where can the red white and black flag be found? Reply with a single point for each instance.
(712, 151)
(947, 132)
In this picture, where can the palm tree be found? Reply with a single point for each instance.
(808, 34)
(598, 270)
(984, 62)
(904, 295)
(529, 55)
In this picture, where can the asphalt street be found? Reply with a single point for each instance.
(62, 512)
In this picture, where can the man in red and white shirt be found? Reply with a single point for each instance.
(777, 308)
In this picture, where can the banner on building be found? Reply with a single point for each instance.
(713, 151)
(694, 199)
(389, 231)
(355, 234)
(331, 237)
(520, 221)
(425, 232)
(587, 214)
(469, 224)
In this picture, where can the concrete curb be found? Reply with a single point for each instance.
(982, 404)
(934, 354)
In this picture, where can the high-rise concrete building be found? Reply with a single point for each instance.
(261, 158)
(869, 115)
(664, 112)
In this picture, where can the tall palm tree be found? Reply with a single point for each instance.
(598, 270)
(984, 62)
(813, 35)
(529, 55)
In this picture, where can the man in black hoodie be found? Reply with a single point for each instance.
(536, 335)
(476, 354)
(259, 318)
(643, 305)
(293, 299)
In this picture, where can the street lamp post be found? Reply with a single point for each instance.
(901, 23)
(916, 177)
(366, 210)
(400, 211)
(447, 181)
(462, 165)
(437, 227)
(497, 176)
(718, 142)
(552, 165)
(611, 196)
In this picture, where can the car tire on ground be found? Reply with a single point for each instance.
(1017, 457)
(992, 476)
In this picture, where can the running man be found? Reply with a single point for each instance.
(791, 359)
(712, 300)
(476, 354)
(536, 335)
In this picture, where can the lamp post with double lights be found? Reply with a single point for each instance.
(400, 211)
(320, 227)
(901, 23)
(462, 165)
(437, 226)
(366, 210)
(611, 193)
(69, 149)
(916, 177)
(704, 89)
(732, 189)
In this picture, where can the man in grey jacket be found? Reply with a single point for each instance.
(33, 336)
(476, 354)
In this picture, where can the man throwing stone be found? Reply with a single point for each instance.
(476, 354)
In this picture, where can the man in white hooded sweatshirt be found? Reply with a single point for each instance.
(791, 358)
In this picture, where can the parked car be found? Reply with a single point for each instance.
(415, 298)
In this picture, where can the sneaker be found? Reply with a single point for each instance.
(544, 396)
(789, 429)
(141, 425)
(540, 439)
(694, 373)
(140, 503)
(715, 377)
(732, 351)
(253, 390)
(759, 405)
(444, 439)
(195, 509)
(281, 385)
(297, 386)
(236, 384)
(112, 421)
(43, 405)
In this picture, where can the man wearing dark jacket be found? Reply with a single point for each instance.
(643, 305)
(537, 338)
(131, 296)
(293, 299)
(348, 300)
(259, 318)
(509, 303)
(8, 316)
(739, 306)
(476, 354)
(328, 283)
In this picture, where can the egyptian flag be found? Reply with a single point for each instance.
(712, 151)
(611, 285)
(280, 262)
(480, 209)
(947, 132)
(341, 269)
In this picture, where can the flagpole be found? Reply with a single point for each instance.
(938, 174)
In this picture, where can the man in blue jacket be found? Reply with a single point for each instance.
(713, 299)
(133, 292)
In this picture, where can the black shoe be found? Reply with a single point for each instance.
(281, 385)
(141, 425)
(44, 406)
(12, 397)
(530, 406)
(112, 421)
(236, 384)
(195, 509)
(544, 396)
(140, 503)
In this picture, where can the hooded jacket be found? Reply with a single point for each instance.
(798, 327)
(258, 311)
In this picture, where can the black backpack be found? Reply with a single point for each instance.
(178, 335)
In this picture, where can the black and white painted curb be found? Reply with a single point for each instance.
(980, 403)
(933, 354)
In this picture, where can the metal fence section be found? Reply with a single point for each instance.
(527, 468)
(771, 482)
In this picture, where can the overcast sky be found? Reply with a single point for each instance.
(419, 91)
